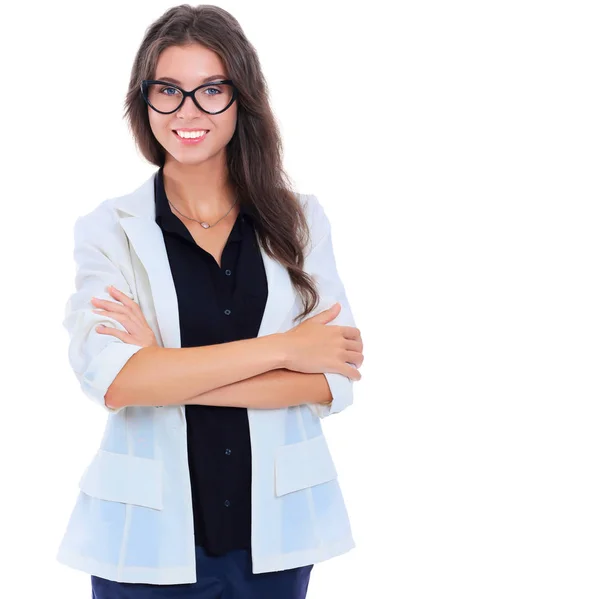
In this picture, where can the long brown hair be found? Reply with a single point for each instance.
(254, 153)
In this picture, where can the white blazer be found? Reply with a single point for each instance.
(132, 519)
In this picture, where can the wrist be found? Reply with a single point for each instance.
(278, 350)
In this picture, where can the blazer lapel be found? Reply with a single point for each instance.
(136, 215)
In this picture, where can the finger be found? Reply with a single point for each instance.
(104, 330)
(122, 297)
(121, 318)
(350, 332)
(325, 316)
(352, 373)
(109, 305)
(135, 315)
(354, 357)
(351, 344)
(136, 311)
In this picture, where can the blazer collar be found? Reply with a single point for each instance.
(136, 214)
(137, 202)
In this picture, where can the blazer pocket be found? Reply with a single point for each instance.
(302, 465)
(124, 478)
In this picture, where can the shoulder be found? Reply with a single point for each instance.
(100, 228)
(105, 215)
(136, 202)
(310, 204)
(317, 220)
(103, 212)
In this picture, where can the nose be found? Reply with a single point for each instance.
(188, 108)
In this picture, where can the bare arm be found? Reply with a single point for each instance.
(166, 376)
(278, 388)
(112, 374)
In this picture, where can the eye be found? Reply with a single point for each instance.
(166, 89)
(212, 89)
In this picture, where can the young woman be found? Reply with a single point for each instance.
(202, 324)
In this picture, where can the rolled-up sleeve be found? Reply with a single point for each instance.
(96, 358)
(321, 264)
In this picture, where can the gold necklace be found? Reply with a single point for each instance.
(204, 223)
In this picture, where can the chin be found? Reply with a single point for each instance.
(188, 157)
(191, 156)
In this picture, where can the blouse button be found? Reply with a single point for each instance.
(228, 451)
(228, 312)
(227, 272)
(227, 503)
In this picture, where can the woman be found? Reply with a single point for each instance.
(192, 325)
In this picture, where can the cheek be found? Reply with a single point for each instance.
(229, 125)
(233, 115)
(159, 125)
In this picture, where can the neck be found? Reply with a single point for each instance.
(200, 191)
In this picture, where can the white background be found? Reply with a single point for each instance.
(455, 148)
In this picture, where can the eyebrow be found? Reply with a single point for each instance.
(176, 82)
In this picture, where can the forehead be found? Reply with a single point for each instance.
(190, 64)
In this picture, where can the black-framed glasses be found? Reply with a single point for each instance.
(213, 98)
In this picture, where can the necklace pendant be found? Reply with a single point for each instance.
(205, 225)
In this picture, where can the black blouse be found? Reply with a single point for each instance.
(216, 305)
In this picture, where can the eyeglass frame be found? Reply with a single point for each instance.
(146, 82)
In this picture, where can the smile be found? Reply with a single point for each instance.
(191, 134)
(191, 137)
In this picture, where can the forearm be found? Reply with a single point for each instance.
(166, 376)
(274, 389)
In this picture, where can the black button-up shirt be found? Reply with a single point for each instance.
(216, 305)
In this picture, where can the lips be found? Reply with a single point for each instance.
(191, 140)
(196, 132)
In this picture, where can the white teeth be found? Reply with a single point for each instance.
(191, 134)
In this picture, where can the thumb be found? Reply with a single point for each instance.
(328, 315)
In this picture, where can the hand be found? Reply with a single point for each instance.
(313, 347)
(130, 315)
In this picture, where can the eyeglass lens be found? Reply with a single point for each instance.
(212, 98)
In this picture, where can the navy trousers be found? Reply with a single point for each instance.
(223, 577)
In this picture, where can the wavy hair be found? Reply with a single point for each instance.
(254, 153)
